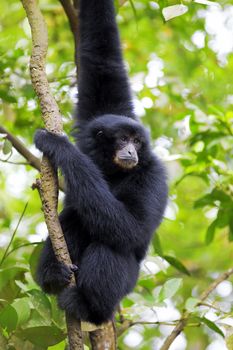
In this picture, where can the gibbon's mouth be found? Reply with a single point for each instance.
(127, 157)
(126, 162)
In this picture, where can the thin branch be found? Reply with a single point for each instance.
(126, 324)
(22, 246)
(174, 334)
(210, 306)
(53, 122)
(72, 13)
(14, 163)
(183, 321)
(20, 147)
(6, 253)
(213, 285)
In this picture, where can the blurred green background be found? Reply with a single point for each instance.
(181, 75)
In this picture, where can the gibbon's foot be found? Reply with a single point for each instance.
(73, 267)
(56, 277)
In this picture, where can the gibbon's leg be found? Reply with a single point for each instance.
(104, 278)
(52, 275)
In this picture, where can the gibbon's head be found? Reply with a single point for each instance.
(115, 143)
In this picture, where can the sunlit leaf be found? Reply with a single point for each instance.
(207, 2)
(170, 288)
(7, 147)
(61, 346)
(40, 302)
(22, 308)
(191, 304)
(174, 11)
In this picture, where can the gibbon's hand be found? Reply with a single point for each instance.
(50, 144)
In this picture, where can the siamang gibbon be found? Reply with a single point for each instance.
(116, 188)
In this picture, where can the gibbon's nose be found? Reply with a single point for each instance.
(131, 150)
(128, 153)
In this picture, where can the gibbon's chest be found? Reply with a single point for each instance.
(119, 185)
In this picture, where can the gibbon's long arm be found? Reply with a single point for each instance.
(107, 219)
(102, 82)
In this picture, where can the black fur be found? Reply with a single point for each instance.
(110, 213)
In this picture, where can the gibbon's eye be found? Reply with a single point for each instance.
(136, 141)
(123, 138)
(99, 133)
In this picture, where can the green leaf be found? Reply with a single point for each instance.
(5, 96)
(3, 338)
(23, 309)
(42, 336)
(177, 264)
(60, 346)
(147, 282)
(229, 340)
(191, 304)
(8, 318)
(34, 260)
(7, 147)
(126, 302)
(212, 326)
(230, 235)
(169, 288)
(40, 302)
(11, 273)
(210, 232)
(203, 201)
(198, 146)
(224, 215)
(210, 198)
(157, 245)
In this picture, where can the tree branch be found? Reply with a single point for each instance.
(53, 123)
(213, 285)
(72, 13)
(183, 321)
(22, 149)
(104, 338)
(19, 146)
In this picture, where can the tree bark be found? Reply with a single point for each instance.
(53, 122)
(104, 338)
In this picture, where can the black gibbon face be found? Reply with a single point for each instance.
(116, 142)
(125, 147)
(126, 155)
